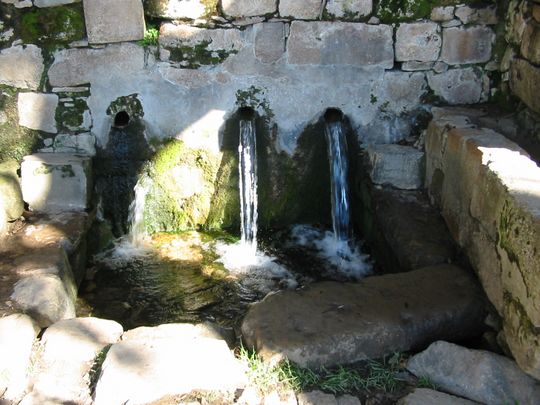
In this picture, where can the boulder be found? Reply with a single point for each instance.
(467, 45)
(248, 8)
(330, 323)
(11, 200)
(478, 375)
(37, 111)
(114, 21)
(349, 8)
(172, 359)
(21, 66)
(304, 10)
(340, 43)
(396, 165)
(17, 335)
(53, 182)
(458, 86)
(418, 42)
(424, 396)
(67, 352)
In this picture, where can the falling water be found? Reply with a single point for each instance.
(137, 232)
(337, 155)
(247, 155)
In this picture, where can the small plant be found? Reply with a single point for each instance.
(151, 36)
(425, 382)
(95, 371)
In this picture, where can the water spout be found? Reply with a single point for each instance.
(137, 232)
(247, 156)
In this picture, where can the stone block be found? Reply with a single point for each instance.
(301, 10)
(470, 15)
(176, 9)
(440, 14)
(248, 8)
(458, 86)
(53, 3)
(349, 8)
(17, 335)
(21, 66)
(424, 396)
(269, 41)
(37, 111)
(525, 83)
(328, 43)
(530, 44)
(114, 21)
(413, 66)
(54, 182)
(467, 45)
(80, 144)
(11, 201)
(316, 398)
(396, 165)
(19, 3)
(418, 42)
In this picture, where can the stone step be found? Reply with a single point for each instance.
(331, 323)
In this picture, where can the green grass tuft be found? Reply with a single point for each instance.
(151, 36)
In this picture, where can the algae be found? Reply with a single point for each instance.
(193, 57)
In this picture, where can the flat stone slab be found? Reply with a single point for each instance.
(37, 111)
(424, 396)
(173, 359)
(332, 323)
(21, 67)
(478, 375)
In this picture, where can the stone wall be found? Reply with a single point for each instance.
(378, 63)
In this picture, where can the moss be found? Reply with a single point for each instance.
(15, 141)
(70, 118)
(52, 26)
(390, 11)
(254, 97)
(129, 104)
(210, 7)
(193, 57)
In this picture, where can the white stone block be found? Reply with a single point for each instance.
(37, 111)
(348, 8)
(248, 8)
(440, 14)
(80, 144)
(467, 45)
(53, 182)
(418, 42)
(176, 9)
(114, 21)
(396, 165)
(457, 86)
(269, 41)
(302, 10)
(21, 66)
(53, 3)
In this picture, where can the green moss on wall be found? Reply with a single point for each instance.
(193, 57)
(70, 118)
(390, 11)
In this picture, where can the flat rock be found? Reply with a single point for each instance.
(457, 86)
(151, 363)
(331, 323)
(418, 42)
(21, 66)
(348, 8)
(530, 45)
(11, 200)
(475, 374)
(467, 45)
(424, 396)
(37, 111)
(53, 3)
(176, 9)
(269, 41)
(248, 8)
(67, 352)
(301, 10)
(316, 398)
(525, 83)
(17, 335)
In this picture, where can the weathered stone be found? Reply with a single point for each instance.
(17, 335)
(53, 3)
(316, 398)
(536, 12)
(176, 9)
(424, 396)
(413, 66)
(331, 323)
(326, 43)
(348, 400)
(269, 41)
(113, 21)
(530, 44)
(516, 21)
(467, 45)
(248, 8)
(11, 201)
(440, 14)
(67, 352)
(525, 83)
(19, 3)
(305, 10)
(349, 8)
(399, 166)
(451, 24)
(469, 15)
(80, 144)
(37, 111)
(474, 374)
(150, 363)
(56, 182)
(21, 66)
(457, 86)
(418, 42)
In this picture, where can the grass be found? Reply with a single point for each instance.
(151, 36)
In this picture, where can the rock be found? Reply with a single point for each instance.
(269, 41)
(399, 166)
(248, 8)
(418, 42)
(328, 43)
(525, 83)
(457, 86)
(21, 66)
(316, 398)
(423, 396)
(467, 45)
(469, 15)
(530, 44)
(176, 9)
(11, 200)
(17, 335)
(67, 352)
(474, 374)
(440, 14)
(150, 363)
(349, 8)
(516, 21)
(330, 323)
(348, 400)
(53, 182)
(80, 144)
(53, 3)
(412, 66)
(305, 10)
(113, 21)
(19, 3)
(37, 111)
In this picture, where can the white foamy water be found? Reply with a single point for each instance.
(137, 233)
(344, 257)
